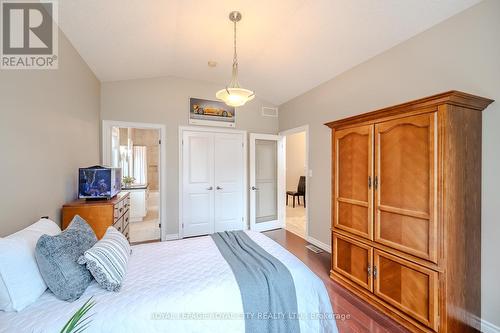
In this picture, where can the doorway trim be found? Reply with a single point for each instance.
(245, 169)
(106, 160)
(284, 134)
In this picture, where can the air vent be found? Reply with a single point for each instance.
(269, 112)
(315, 249)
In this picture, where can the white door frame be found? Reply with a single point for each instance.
(284, 134)
(281, 183)
(106, 160)
(245, 168)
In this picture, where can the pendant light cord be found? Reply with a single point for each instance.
(234, 77)
(235, 58)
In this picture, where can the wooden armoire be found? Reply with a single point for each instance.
(406, 210)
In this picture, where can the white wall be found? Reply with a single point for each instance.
(49, 127)
(462, 53)
(295, 159)
(165, 100)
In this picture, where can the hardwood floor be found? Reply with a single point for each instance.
(359, 316)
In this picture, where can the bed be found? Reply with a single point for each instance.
(177, 286)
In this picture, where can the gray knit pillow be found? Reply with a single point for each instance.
(57, 257)
(107, 260)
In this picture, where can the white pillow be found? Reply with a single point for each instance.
(33, 232)
(20, 280)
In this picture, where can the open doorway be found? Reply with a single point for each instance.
(136, 149)
(296, 175)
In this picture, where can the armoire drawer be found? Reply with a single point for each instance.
(408, 287)
(353, 260)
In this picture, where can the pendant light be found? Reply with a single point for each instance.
(233, 94)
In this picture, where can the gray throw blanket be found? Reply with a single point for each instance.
(266, 286)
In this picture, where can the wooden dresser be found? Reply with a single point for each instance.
(101, 214)
(406, 210)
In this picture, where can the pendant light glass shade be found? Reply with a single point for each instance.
(233, 94)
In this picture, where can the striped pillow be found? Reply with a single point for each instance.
(107, 259)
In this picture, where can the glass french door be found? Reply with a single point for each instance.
(267, 182)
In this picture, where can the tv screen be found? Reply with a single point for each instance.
(99, 182)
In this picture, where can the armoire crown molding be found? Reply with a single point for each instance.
(453, 97)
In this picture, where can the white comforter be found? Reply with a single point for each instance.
(170, 279)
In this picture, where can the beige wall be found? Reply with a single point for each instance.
(49, 127)
(165, 101)
(461, 53)
(149, 138)
(295, 159)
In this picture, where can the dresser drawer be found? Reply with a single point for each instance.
(120, 208)
(126, 203)
(116, 214)
(119, 225)
(126, 232)
(126, 219)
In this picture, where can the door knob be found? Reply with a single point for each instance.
(219, 188)
(255, 188)
(210, 188)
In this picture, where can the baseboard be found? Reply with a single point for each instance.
(170, 237)
(321, 245)
(474, 321)
(487, 327)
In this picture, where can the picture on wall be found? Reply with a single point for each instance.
(211, 113)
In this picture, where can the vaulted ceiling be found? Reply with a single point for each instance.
(285, 47)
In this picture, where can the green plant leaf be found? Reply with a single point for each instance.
(79, 322)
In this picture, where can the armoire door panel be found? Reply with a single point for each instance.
(353, 216)
(406, 193)
(409, 233)
(228, 184)
(407, 286)
(354, 155)
(353, 260)
(353, 180)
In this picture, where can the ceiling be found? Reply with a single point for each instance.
(285, 47)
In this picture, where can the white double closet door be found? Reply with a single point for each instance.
(213, 174)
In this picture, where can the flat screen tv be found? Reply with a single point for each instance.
(99, 182)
